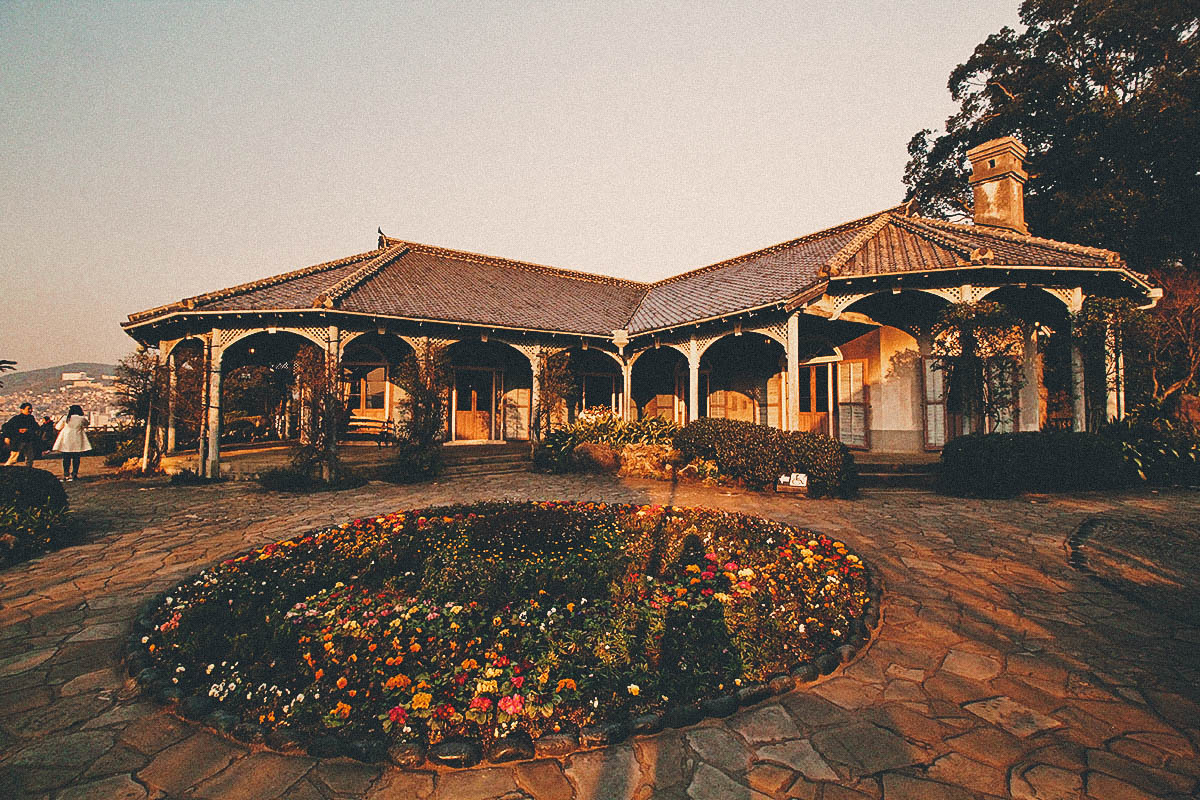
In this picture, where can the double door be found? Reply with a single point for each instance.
(478, 404)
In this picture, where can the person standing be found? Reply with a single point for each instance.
(47, 433)
(21, 434)
(72, 441)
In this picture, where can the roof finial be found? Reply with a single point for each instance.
(382, 238)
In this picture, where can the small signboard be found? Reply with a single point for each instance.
(795, 483)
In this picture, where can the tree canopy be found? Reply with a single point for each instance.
(1106, 96)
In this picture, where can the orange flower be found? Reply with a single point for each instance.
(565, 683)
(319, 674)
(342, 710)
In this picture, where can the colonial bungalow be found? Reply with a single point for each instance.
(829, 332)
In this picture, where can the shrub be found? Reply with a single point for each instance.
(757, 455)
(1160, 451)
(295, 479)
(33, 514)
(25, 488)
(553, 452)
(1006, 464)
(414, 461)
(123, 449)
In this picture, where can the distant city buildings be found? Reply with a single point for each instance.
(96, 395)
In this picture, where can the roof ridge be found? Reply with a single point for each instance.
(838, 260)
(500, 261)
(775, 248)
(914, 226)
(343, 287)
(1025, 238)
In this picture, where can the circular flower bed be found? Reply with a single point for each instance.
(499, 623)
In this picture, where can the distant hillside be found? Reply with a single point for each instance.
(37, 381)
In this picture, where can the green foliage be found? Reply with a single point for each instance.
(552, 454)
(979, 348)
(302, 480)
(413, 462)
(1006, 464)
(23, 488)
(758, 454)
(1162, 452)
(33, 514)
(1106, 96)
(126, 445)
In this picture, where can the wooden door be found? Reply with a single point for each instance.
(814, 399)
(473, 411)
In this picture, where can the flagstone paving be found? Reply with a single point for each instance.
(999, 670)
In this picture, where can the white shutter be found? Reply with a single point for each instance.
(852, 404)
(935, 405)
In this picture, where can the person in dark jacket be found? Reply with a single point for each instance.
(47, 432)
(22, 435)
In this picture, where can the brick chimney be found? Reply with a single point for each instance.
(998, 180)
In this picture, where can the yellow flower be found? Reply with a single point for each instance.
(421, 700)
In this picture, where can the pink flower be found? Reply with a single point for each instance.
(513, 704)
(711, 556)
(743, 585)
(731, 566)
(708, 575)
(518, 680)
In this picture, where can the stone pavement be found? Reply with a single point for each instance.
(998, 670)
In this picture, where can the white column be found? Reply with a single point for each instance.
(627, 392)
(212, 468)
(693, 411)
(1078, 392)
(1114, 376)
(1030, 400)
(793, 375)
(171, 388)
(535, 396)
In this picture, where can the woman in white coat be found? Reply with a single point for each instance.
(72, 441)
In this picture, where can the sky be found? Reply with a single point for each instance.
(153, 151)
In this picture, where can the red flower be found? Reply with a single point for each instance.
(398, 715)
(518, 680)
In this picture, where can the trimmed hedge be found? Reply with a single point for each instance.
(24, 488)
(1006, 464)
(33, 514)
(757, 455)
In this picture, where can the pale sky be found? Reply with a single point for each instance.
(152, 151)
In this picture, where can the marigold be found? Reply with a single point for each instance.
(421, 700)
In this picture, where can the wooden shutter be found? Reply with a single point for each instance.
(852, 403)
(934, 393)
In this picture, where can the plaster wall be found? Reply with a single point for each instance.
(894, 388)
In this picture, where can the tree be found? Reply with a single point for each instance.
(424, 377)
(1160, 346)
(140, 384)
(6, 366)
(1106, 96)
(322, 414)
(979, 347)
(556, 384)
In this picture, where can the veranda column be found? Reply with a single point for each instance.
(212, 460)
(693, 380)
(535, 396)
(627, 392)
(1029, 401)
(1114, 373)
(1078, 390)
(793, 374)
(170, 443)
